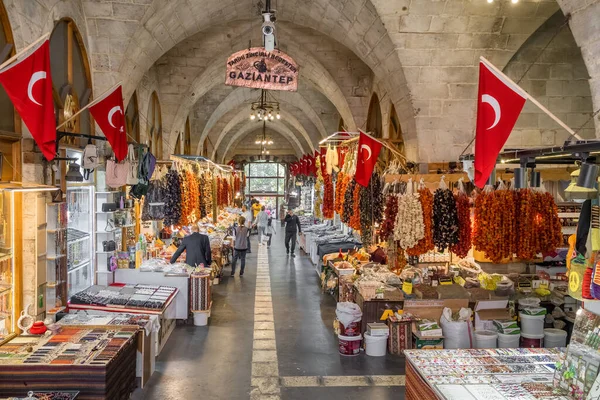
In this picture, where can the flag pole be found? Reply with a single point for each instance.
(533, 100)
(20, 53)
(95, 101)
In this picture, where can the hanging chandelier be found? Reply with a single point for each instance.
(264, 140)
(265, 109)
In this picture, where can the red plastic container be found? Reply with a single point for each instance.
(532, 341)
(350, 345)
(353, 329)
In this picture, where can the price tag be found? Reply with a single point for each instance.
(407, 287)
(445, 280)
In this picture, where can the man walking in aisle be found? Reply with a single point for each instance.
(262, 220)
(292, 227)
(240, 246)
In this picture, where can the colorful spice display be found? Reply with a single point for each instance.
(463, 206)
(445, 219)
(173, 199)
(348, 202)
(391, 210)
(328, 197)
(409, 227)
(426, 243)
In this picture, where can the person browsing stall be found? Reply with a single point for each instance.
(240, 246)
(197, 249)
(292, 227)
(247, 214)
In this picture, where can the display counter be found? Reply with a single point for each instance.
(181, 282)
(97, 362)
(147, 341)
(99, 304)
(489, 374)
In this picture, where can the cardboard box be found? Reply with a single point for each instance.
(377, 329)
(432, 309)
(486, 311)
(427, 343)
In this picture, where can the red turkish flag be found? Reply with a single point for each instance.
(109, 115)
(368, 152)
(28, 83)
(499, 104)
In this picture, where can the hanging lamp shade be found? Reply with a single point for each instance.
(74, 173)
(577, 193)
(588, 175)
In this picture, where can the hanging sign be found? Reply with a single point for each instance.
(261, 69)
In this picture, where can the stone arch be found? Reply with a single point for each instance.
(248, 128)
(240, 117)
(374, 117)
(243, 96)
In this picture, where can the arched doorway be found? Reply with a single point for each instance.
(132, 118)
(71, 78)
(10, 122)
(394, 133)
(155, 126)
(187, 138)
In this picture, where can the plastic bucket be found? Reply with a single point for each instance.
(532, 341)
(532, 324)
(349, 345)
(200, 318)
(508, 341)
(555, 338)
(353, 329)
(375, 345)
(486, 340)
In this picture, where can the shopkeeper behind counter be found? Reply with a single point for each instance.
(197, 247)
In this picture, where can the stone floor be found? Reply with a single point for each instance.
(269, 337)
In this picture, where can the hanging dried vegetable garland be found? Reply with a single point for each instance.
(194, 197)
(318, 189)
(409, 227)
(207, 193)
(391, 210)
(328, 197)
(426, 243)
(339, 193)
(377, 198)
(202, 196)
(445, 219)
(369, 212)
(348, 200)
(172, 199)
(355, 218)
(463, 207)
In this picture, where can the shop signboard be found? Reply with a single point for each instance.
(261, 69)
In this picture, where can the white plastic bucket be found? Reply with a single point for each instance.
(200, 318)
(508, 341)
(486, 340)
(375, 346)
(532, 324)
(555, 338)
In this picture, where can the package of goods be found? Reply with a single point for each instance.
(427, 325)
(486, 339)
(529, 302)
(350, 317)
(377, 329)
(427, 343)
(510, 331)
(400, 338)
(534, 311)
(457, 330)
(501, 325)
(425, 292)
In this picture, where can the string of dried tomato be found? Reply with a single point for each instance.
(348, 202)
(391, 210)
(328, 197)
(339, 193)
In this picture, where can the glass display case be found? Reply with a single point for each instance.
(56, 255)
(80, 228)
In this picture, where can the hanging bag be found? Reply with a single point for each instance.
(132, 171)
(89, 160)
(116, 173)
(141, 188)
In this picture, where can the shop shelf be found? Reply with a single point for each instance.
(105, 212)
(78, 266)
(55, 257)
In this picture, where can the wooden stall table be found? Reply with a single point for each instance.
(108, 373)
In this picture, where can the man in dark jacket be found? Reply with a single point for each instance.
(292, 226)
(197, 249)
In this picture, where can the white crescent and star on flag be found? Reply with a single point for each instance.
(491, 100)
(368, 149)
(35, 77)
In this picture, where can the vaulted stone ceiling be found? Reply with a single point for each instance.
(418, 55)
